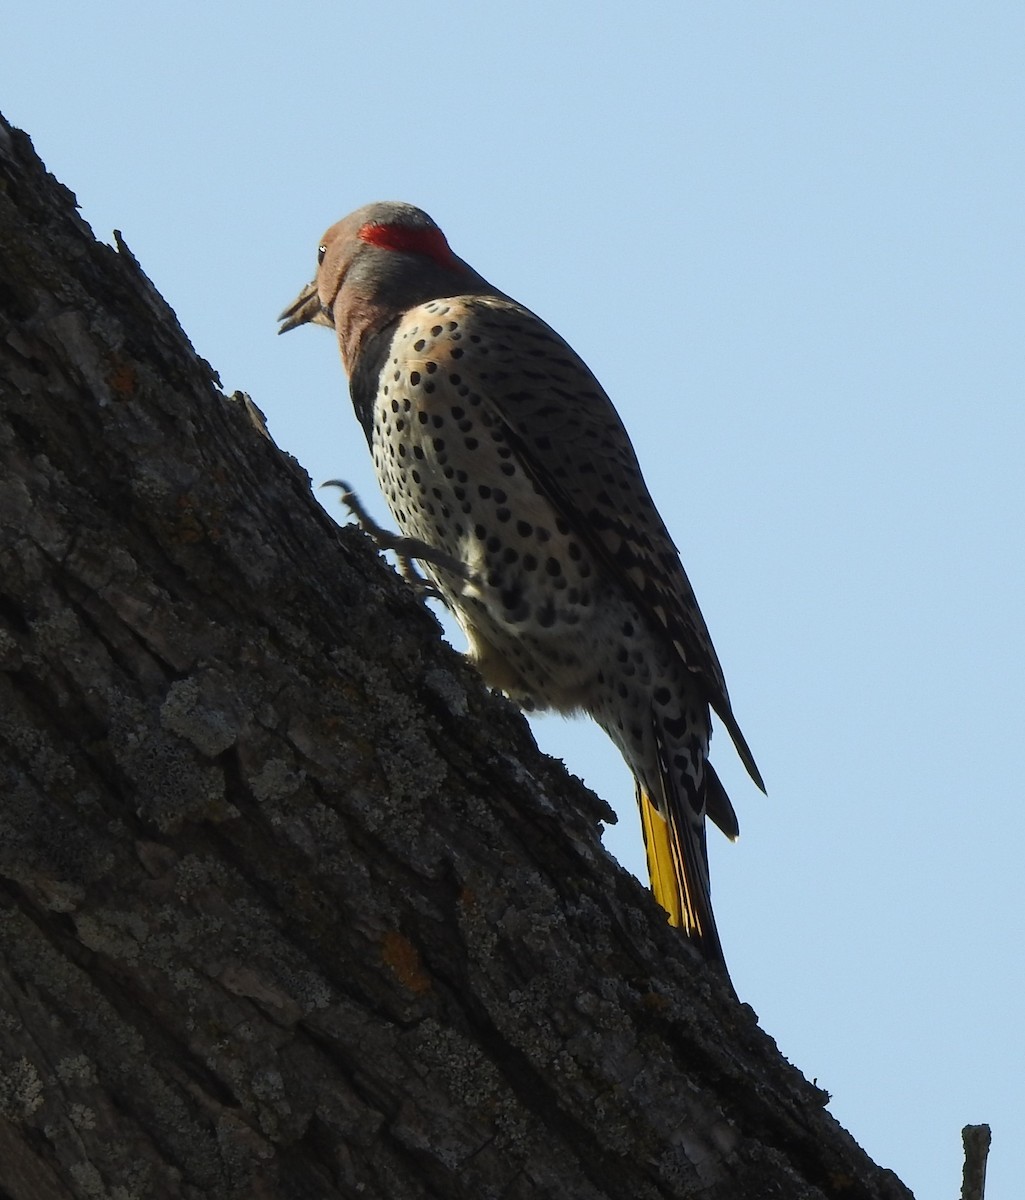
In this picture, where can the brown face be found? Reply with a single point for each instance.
(335, 253)
(314, 303)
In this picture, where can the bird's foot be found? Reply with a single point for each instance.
(405, 549)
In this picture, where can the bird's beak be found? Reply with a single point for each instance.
(305, 308)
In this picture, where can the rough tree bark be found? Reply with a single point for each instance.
(290, 905)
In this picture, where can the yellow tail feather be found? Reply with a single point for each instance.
(665, 867)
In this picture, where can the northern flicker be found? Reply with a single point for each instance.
(505, 463)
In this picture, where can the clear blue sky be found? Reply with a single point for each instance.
(788, 238)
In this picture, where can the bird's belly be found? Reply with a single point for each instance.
(544, 620)
(535, 606)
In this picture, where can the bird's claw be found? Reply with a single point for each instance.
(405, 549)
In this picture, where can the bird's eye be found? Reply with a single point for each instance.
(321, 251)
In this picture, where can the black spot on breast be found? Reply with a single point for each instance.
(512, 598)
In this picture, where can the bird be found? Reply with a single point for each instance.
(515, 485)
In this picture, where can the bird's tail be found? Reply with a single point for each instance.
(674, 840)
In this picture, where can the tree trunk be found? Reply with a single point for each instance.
(290, 905)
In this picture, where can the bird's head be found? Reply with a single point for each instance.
(374, 264)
